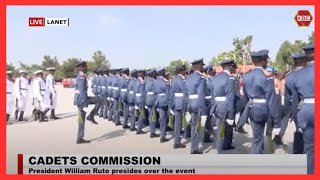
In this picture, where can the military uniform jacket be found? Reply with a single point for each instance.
(50, 84)
(115, 87)
(123, 85)
(99, 83)
(81, 96)
(150, 96)
(162, 91)
(303, 88)
(39, 88)
(178, 94)
(140, 92)
(288, 106)
(21, 87)
(94, 84)
(222, 88)
(109, 86)
(131, 89)
(104, 86)
(258, 85)
(195, 85)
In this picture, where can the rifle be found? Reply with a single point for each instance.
(269, 143)
(222, 130)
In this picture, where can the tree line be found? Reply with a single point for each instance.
(241, 53)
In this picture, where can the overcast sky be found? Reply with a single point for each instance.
(148, 36)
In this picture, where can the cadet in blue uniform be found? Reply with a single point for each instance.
(97, 93)
(110, 96)
(209, 73)
(187, 130)
(104, 85)
(151, 101)
(258, 87)
(299, 61)
(123, 85)
(178, 99)
(93, 82)
(81, 99)
(99, 83)
(195, 85)
(161, 90)
(131, 99)
(140, 96)
(116, 97)
(303, 90)
(222, 88)
(239, 104)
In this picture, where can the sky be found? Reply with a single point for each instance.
(148, 36)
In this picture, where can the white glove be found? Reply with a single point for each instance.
(146, 107)
(300, 130)
(158, 109)
(188, 117)
(171, 112)
(230, 121)
(203, 120)
(215, 127)
(276, 130)
(136, 107)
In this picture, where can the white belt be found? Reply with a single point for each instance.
(259, 100)
(130, 92)
(99, 86)
(109, 87)
(178, 94)
(94, 85)
(162, 94)
(103, 87)
(77, 91)
(150, 93)
(138, 94)
(115, 88)
(208, 97)
(194, 96)
(124, 90)
(220, 98)
(309, 100)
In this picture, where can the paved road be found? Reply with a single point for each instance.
(59, 137)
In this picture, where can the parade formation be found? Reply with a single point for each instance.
(195, 103)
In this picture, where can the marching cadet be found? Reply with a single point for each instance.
(299, 61)
(97, 93)
(259, 92)
(187, 133)
(150, 102)
(93, 82)
(209, 73)
(140, 96)
(51, 99)
(110, 96)
(240, 102)
(222, 88)
(99, 82)
(123, 86)
(116, 96)
(195, 85)
(178, 100)
(131, 99)
(104, 95)
(40, 90)
(304, 90)
(81, 99)
(21, 91)
(162, 90)
(9, 98)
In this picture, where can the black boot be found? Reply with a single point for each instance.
(35, 114)
(16, 114)
(21, 116)
(91, 117)
(277, 140)
(41, 116)
(53, 116)
(8, 116)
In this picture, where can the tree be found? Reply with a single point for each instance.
(222, 56)
(50, 62)
(10, 67)
(68, 67)
(242, 49)
(311, 38)
(172, 65)
(99, 61)
(286, 50)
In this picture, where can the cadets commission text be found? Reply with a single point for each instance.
(95, 160)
